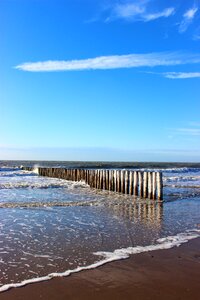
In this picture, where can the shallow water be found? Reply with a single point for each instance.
(38, 236)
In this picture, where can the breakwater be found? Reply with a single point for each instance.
(143, 184)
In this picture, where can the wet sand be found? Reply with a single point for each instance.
(164, 274)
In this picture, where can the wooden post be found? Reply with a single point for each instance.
(135, 183)
(79, 175)
(154, 185)
(131, 183)
(114, 180)
(100, 179)
(104, 179)
(82, 174)
(87, 179)
(107, 179)
(150, 185)
(118, 181)
(75, 175)
(126, 191)
(159, 186)
(145, 185)
(110, 180)
(97, 179)
(93, 178)
(140, 179)
(122, 182)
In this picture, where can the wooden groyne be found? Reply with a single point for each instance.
(142, 184)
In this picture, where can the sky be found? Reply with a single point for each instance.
(100, 80)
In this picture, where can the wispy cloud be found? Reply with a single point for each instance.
(177, 75)
(188, 131)
(196, 37)
(193, 123)
(137, 11)
(162, 14)
(181, 75)
(190, 13)
(187, 19)
(191, 130)
(128, 10)
(112, 62)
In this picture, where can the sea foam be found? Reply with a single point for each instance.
(118, 254)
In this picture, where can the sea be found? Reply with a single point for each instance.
(52, 227)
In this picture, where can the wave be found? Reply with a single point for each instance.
(44, 185)
(170, 170)
(8, 169)
(118, 254)
(182, 178)
(49, 204)
(17, 174)
(182, 186)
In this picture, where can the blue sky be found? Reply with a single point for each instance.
(100, 80)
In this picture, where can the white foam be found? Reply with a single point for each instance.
(33, 181)
(35, 170)
(166, 170)
(162, 243)
(182, 178)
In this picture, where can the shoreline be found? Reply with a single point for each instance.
(161, 274)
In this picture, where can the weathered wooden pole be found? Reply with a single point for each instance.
(135, 183)
(126, 191)
(118, 181)
(122, 182)
(159, 186)
(145, 185)
(140, 180)
(150, 185)
(107, 179)
(110, 180)
(115, 180)
(100, 180)
(154, 185)
(131, 183)
(97, 179)
(87, 176)
(104, 179)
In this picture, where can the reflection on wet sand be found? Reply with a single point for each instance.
(149, 213)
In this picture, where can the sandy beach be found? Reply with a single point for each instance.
(164, 274)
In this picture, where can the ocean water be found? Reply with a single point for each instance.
(52, 227)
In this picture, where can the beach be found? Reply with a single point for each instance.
(163, 274)
(63, 239)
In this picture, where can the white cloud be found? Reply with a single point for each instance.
(187, 19)
(188, 131)
(191, 130)
(165, 13)
(112, 62)
(190, 13)
(129, 10)
(181, 75)
(137, 11)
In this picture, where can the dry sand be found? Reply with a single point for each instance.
(164, 274)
